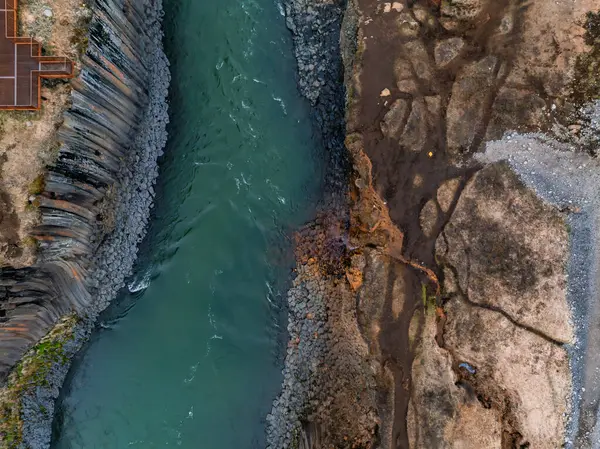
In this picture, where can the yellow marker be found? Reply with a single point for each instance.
(430, 154)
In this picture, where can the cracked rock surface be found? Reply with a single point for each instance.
(504, 248)
(503, 253)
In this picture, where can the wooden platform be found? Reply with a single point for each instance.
(22, 64)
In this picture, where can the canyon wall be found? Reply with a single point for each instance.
(94, 209)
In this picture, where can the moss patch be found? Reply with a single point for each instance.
(80, 37)
(30, 242)
(429, 301)
(30, 373)
(586, 83)
(38, 185)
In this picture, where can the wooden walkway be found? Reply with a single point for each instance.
(22, 64)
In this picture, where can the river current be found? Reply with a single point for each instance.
(190, 354)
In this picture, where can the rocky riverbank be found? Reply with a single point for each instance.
(315, 28)
(94, 209)
(434, 293)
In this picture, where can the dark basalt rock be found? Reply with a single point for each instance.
(111, 139)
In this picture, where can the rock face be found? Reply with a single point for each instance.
(448, 50)
(468, 104)
(501, 238)
(443, 412)
(569, 180)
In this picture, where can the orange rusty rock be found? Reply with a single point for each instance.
(440, 312)
(75, 274)
(355, 278)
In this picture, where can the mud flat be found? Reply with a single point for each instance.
(93, 211)
(435, 294)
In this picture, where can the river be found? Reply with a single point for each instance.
(190, 354)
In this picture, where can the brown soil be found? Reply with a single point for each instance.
(389, 296)
(9, 223)
(64, 32)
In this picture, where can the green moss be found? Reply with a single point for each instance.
(586, 83)
(30, 242)
(49, 50)
(350, 91)
(20, 116)
(429, 301)
(80, 38)
(38, 185)
(360, 50)
(352, 138)
(30, 373)
(295, 443)
(32, 206)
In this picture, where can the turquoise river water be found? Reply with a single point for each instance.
(190, 355)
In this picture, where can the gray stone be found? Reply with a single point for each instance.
(447, 50)
(468, 104)
(393, 121)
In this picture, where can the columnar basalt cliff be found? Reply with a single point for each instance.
(93, 212)
(422, 314)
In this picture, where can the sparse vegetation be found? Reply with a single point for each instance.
(30, 242)
(32, 372)
(80, 39)
(38, 185)
(586, 84)
(429, 301)
(352, 138)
